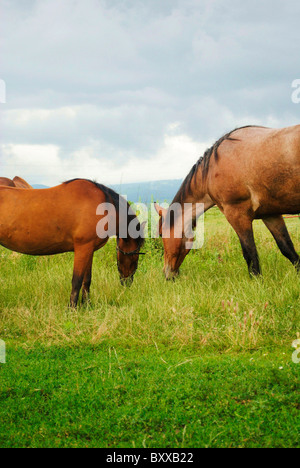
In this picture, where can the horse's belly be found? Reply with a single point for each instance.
(283, 203)
(29, 243)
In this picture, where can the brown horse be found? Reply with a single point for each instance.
(250, 173)
(7, 182)
(16, 182)
(64, 219)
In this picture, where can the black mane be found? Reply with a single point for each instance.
(118, 201)
(204, 162)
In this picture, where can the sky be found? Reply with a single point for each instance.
(135, 90)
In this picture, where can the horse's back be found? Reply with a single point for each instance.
(261, 165)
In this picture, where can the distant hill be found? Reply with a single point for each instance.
(38, 186)
(145, 192)
(159, 190)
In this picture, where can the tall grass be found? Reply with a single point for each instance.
(212, 306)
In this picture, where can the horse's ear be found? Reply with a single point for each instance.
(21, 183)
(143, 225)
(160, 211)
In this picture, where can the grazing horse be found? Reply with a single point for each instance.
(250, 173)
(16, 182)
(64, 219)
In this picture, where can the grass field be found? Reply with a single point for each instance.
(205, 361)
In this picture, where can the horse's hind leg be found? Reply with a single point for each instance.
(82, 260)
(278, 229)
(242, 224)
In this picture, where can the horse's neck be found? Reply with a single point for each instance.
(198, 193)
(196, 200)
(125, 218)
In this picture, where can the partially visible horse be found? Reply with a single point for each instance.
(7, 182)
(250, 173)
(64, 219)
(16, 182)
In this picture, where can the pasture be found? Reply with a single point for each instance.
(205, 361)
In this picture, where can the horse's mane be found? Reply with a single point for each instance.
(204, 162)
(119, 202)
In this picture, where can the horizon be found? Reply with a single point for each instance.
(144, 192)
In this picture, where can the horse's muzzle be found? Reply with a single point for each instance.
(127, 281)
(170, 274)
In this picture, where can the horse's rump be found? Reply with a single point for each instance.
(259, 164)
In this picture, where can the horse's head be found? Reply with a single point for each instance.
(175, 243)
(128, 253)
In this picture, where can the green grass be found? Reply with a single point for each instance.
(105, 397)
(202, 362)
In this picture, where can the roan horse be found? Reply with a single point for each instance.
(250, 173)
(16, 182)
(64, 219)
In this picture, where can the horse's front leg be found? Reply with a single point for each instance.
(241, 221)
(82, 260)
(87, 280)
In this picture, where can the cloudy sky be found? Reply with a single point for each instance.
(135, 90)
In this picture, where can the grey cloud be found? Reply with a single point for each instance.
(131, 68)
